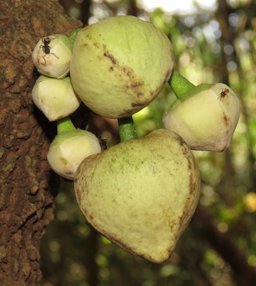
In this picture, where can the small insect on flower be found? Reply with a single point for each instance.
(46, 48)
(52, 55)
(224, 92)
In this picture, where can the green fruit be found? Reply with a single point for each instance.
(141, 193)
(119, 65)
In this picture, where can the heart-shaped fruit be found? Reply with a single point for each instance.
(141, 193)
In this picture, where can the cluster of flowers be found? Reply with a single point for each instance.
(54, 95)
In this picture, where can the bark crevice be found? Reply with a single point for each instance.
(26, 204)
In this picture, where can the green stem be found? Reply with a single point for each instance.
(180, 85)
(64, 125)
(127, 130)
(73, 36)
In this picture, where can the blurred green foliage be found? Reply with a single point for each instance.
(210, 46)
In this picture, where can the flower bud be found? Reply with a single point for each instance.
(207, 119)
(55, 97)
(51, 56)
(69, 149)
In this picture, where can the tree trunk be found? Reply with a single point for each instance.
(26, 203)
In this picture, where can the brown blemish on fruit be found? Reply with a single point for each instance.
(88, 36)
(186, 216)
(64, 161)
(125, 113)
(96, 45)
(108, 55)
(192, 179)
(192, 182)
(137, 104)
(227, 123)
(182, 144)
(226, 120)
(89, 217)
(191, 165)
(193, 198)
(136, 84)
(223, 149)
(133, 84)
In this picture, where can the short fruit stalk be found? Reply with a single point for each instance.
(55, 97)
(73, 36)
(52, 55)
(205, 115)
(70, 147)
(127, 129)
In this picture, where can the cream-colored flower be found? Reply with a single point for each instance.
(69, 149)
(51, 56)
(206, 120)
(55, 97)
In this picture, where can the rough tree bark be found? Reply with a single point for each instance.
(25, 202)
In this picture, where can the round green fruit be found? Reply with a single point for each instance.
(141, 193)
(119, 65)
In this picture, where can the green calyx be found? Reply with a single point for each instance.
(197, 89)
(66, 40)
(183, 88)
(73, 36)
(127, 130)
(70, 147)
(65, 125)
